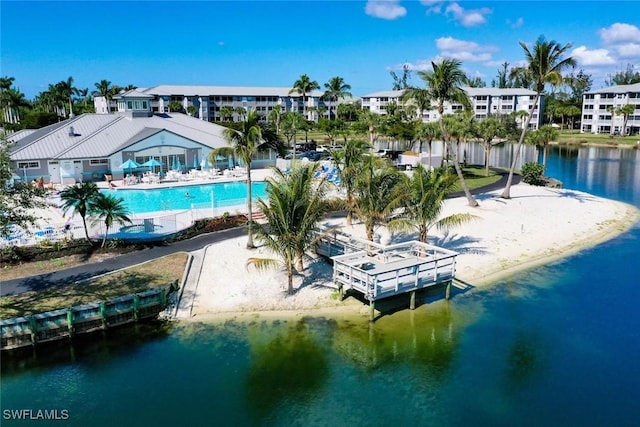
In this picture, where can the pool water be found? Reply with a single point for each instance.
(186, 197)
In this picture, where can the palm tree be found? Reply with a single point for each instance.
(275, 116)
(80, 198)
(487, 130)
(545, 64)
(377, 193)
(108, 209)
(303, 86)
(66, 90)
(443, 84)
(336, 88)
(418, 97)
(226, 112)
(245, 143)
(544, 136)
(423, 196)
(295, 205)
(348, 161)
(429, 131)
(625, 111)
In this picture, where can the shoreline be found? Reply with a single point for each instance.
(497, 247)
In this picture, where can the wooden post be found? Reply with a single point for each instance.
(448, 290)
(103, 314)
(33, 325)
(412, 301)
(372, 310)
(163, 298)
(341, 290)
(70, 322)
(136, 307)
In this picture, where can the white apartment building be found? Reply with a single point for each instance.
(599, 106)
(209, 100)
(485, 101)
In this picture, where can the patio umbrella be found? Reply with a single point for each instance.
(204, 163)
(195, 161)
(174, 165)
(178, 164)
(152, 163)
(129, 165)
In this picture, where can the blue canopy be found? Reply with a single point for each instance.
(129, 164)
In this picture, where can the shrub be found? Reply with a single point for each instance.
(532, 174)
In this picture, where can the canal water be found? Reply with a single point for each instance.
(555, 346)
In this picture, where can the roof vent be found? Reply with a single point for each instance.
(71, 131)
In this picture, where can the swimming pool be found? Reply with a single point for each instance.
(186, 197)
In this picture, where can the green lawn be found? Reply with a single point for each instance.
(575, 137)
(154, 274)
(475, 178)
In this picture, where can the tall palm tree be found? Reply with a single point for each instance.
(108, 209)
(420, 97)
(544, 136)
(275, 116)
(66, 90)
(105, 89)
(295, 205)
(443, 83)
(545, 63)
(335, 89)
(423, 196)
(348, 160)
(429, 131)
(245, 143)
(303, 86)
(377, 193)
(80, 198)
(487, 130)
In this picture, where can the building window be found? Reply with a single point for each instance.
(129, 105)
(29, 165)
(96, 162)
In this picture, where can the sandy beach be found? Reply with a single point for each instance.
(536, 226)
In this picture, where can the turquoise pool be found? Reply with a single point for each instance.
(186, 197)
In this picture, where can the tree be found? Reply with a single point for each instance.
(543, 137)
(420, 97)
(245, 143)
(546, 62)
(175, 107)
(502, 76)
(578, 84)
(107, 90)
(275, 116)
(487, 130)
(192, 110)
(295, 205)
(108, 209)
(80, 198)
(423, 195)
(627, 77)
(443, 83)
(376, 193)
(474, 81)
(348, 161)
(226, 113)
(369, 123)
(18, 199)
(335, 89)
(291, 124)
(303, 86)
(428, 131)
(625, 111)
(572, 112)
(401, 82)
(66, 90)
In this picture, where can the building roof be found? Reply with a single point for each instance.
(495, 91)
(101, 135)
(618, 89)
(134, 93)
(186, 90)
(385, 93)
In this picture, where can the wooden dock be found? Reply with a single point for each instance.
(378, 271)
(65, 323)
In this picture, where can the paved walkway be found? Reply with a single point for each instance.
(196, 246)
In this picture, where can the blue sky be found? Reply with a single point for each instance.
(269, 43)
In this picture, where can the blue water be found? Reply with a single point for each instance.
(555, 346)
(185, 197)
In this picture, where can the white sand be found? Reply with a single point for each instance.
(536, 226)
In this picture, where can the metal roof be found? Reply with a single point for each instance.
(495, 91)
(101, 135)
(385, 93)
(186, 90)
(618, 89)
(134, 93)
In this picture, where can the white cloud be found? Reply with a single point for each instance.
(584, 56)
(449, 43)
(515, 24)
(466, 56)
(385, 9)
(467, 18)
(629, 50)
(620, 33)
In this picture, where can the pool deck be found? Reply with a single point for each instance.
(256, 176)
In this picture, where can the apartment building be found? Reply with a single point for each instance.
(601, 114)
(209, 101)
(484, 101)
